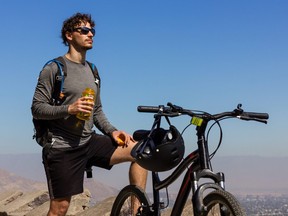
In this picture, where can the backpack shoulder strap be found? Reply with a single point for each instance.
(61, 62)
(58, 96)
(95, 73)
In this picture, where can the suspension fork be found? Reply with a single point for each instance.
(198, 191)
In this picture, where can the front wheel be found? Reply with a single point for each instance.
(222, 203)
(131, 201)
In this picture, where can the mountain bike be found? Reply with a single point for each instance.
(209, 196)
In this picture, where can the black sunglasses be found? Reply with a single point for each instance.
(85, 30)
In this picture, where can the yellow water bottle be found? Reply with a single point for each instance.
(89, 93)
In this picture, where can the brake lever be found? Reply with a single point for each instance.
(175, 108)
(260, 120)
(238, 110)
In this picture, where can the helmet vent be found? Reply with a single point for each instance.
(176, 159)
(174, 151)
(169, 136)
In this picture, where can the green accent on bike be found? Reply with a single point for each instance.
(196, 121)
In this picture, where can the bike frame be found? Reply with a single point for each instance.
(198, 167)
(197, 164)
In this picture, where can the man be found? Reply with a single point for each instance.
(74, 145)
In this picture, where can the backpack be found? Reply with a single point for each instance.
(41, 131)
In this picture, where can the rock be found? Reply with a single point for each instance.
(40, 210)
(79, 203)
(8, 196)
(102, 208)
(20, 205)
(37, 203)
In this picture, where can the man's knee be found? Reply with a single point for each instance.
(121, 155)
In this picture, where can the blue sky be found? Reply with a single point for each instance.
(204, 55)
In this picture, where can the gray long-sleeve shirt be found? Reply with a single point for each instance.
(66, 129)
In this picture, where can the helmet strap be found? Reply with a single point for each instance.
(168, 121)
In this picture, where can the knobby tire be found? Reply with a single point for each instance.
(222, 203)
(123, 206)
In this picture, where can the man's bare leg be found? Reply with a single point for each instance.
(137, 175)
(59, 207)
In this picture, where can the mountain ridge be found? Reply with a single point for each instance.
(244, 174)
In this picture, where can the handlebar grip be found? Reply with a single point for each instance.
(149, 109)
(256, 115)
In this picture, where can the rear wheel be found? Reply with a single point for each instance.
(131, 201)
(222, 203)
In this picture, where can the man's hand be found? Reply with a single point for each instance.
(122, 138)
(83, 104)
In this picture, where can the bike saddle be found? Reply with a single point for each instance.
(140, 134)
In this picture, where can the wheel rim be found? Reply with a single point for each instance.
(132, 206)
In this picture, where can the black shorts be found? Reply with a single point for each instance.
(65, 167)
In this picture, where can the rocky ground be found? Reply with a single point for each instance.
(16, 203)
(23, 197)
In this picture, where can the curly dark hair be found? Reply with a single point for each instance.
(73, 22)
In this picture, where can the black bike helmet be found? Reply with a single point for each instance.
(162, 150)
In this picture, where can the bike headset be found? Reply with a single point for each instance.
(161, 150)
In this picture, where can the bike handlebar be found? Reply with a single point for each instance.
(254, 115)
(148, 109)
(173, 110)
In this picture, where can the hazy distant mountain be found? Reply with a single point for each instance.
(25, 165)
(244, 175)
(254, 174)
(30, 166)
(99, 191)
(9, 181)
